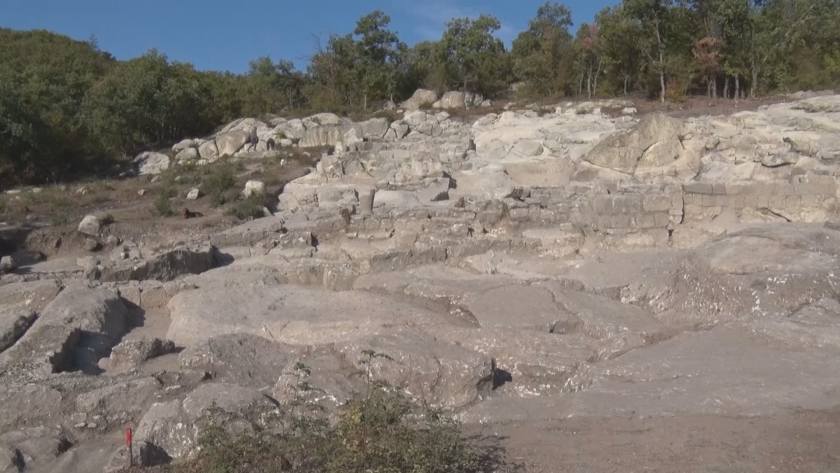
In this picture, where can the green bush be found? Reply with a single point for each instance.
(163, 207)
(426, 106)
(378, 431)
(249, 208)
(218, 184)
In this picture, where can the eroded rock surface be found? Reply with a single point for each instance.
(531, 268)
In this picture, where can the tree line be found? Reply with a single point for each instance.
(66, 104)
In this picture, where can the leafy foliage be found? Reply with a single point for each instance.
(378, 431)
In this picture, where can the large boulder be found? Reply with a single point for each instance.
(374, 128)
(13, 324)
(183, 144)
(209, 150)
(421, 98)
(150, 162)
(452, 99)
(90, 225)
(322, 119)
(653, 142)
(176, 426)
(75, 330)
(132, 353)
(230, 143)
(239, 358)
(187, 155)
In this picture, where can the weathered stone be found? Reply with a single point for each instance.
(176, 426)
(132, 353)
(151, 163)
(246, 360)
(13, 324)
(90, 225)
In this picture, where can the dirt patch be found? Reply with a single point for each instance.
(45, 219)
(803, 441)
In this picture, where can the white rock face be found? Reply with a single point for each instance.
(254, 188)
(183, 144)
(194, 194)
(151, 163)
(420, 97)
(90, 225)
(187, 155)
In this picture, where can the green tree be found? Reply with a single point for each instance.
(380, 56)
(477, 58)
(652, 16)
(543, 54)
(620, 37)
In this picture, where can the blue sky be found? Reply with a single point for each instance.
(225, 35)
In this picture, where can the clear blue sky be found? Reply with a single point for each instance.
(225, 35)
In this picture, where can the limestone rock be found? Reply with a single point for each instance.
(230, 143)
(528, 148)
(184, 144)
(150, 162)
(176, 426)
(238, 358)
(33, 295)
(13, 324)
(90, 225)
(624, 151)
(209, 151)
(187, 155)
(420, 98)
(254, 188)
(194, 194)
(452, 99)
(76, 329)
(132, 353)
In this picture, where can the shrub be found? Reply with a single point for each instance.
(426, 106)
(249, 208)
(218, 183)
(379, 431)
(59, 219)
(163, 207)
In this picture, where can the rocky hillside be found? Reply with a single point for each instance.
(551, 274)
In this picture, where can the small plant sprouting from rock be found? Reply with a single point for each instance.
(379, 431)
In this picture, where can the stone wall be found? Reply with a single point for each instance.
(806, 197)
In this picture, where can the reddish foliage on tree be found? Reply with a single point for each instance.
(590, 41)
(707, 54)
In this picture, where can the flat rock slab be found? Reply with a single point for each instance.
(530, 363)
(34, 295)
(257, 302)
(239, 358)
(723, 372)
(440, 288)
(13, 324)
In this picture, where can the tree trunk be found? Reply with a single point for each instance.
(661, 84)
(754, 83)
(661, 65)
(726, 88)
(597, 73)
(737, 86)
(589, 83)
(626, 79)
(365, 106)
(714, 88)
(708, 87)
